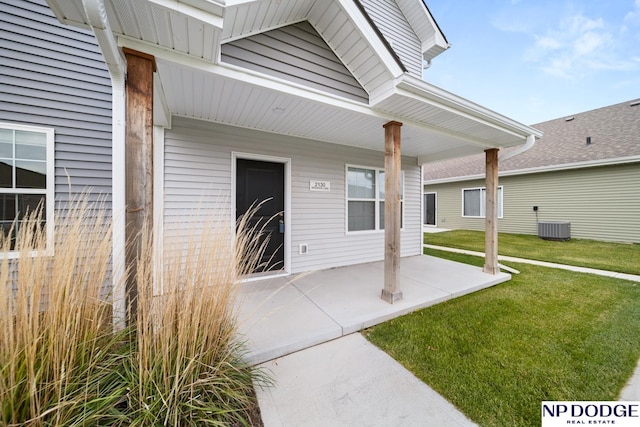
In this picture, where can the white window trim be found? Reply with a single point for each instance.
(483, 197)
(376, 201)
(49, 191)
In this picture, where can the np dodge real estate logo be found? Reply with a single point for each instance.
(619, 414)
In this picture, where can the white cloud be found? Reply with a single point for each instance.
(633, 17)
(576, 46)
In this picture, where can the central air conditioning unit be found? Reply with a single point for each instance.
(554, 230)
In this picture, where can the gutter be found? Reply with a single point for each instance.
(96, 15)
(531, 141)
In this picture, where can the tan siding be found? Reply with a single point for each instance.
(602, 203)
(198, 174)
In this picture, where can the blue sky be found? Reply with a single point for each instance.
(537, 60)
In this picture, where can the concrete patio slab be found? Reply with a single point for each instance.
(284, 314)
(350, 382)
(277, 318)
(351, 296)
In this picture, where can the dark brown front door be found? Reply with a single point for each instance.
(260, 182)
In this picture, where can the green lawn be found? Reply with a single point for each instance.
(624, 258)
(547, 334)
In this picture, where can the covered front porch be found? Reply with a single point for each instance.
(281, 315)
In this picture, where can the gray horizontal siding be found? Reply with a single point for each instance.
(397, 31)
(53, 75)
(296, 53)
(602, 203)
(197, 174)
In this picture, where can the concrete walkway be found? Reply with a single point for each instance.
(350, 382)
(632, 277)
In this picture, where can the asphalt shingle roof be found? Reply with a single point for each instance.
(614, 133)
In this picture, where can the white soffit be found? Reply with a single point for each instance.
(248, 104)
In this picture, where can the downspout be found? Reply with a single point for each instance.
(97, 18)
(531, 141)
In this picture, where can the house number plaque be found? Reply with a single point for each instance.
(319, 185)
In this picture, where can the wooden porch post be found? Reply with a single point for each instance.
(491, 213)
(138, 163)
(392, 170)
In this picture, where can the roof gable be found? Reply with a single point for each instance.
(296, 53)
(613, 136)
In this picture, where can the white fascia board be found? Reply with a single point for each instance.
(372, 37)
(211, 16)
(462, 106)
(541, 169)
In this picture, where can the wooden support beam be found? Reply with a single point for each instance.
(491, 213)
(138, 164)
(392, 170)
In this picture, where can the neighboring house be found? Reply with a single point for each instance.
(585, 170)
(55, 113)
(310, 104)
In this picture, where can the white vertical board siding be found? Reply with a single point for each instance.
(601, 203)
(198, 158)
(54, 75)
(395, 28)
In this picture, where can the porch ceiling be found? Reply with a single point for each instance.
(429, 130)
(192, 82)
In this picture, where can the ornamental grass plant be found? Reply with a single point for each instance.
(188, 367)
(58, 355)
(178, 363)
